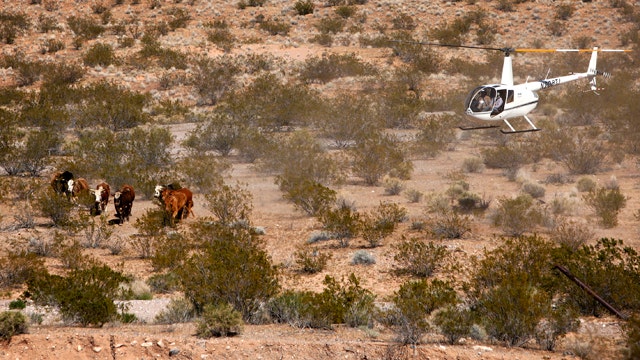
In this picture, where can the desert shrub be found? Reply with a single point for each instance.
(565, 11)
(19, 266)
(380, 222)
(607, 204)
(534, 190)
(219, 320)
(454, 323)
(166, 251)
(112, 106)
(435, 135)
(310, 260)
(12, 323)
(55, 207)
(586, 184)
(363, 257)
(304, 7)
(64, 74)
(273, 105)
(179, 310)
(586, 156)
(99, 54)
(29, 153)
(275, 27)
(179, 17)
(410, 51)
(472, 165)
(97, 233)
(347, 118)
(165, 283)
(84, 296)
(203, 171)
(12, 25)
(513, 291)
(342, 222)
(213, 78)
(413, 195)
(449, 225)
(419, 258)
(504, 157)
(346, 301)
(307, 195)
(28, 72)
(571, 234)
(610, 269)
(469, 202)
(85, 27)
(632, 333)
(328, 67)
(17, 304)
(221, 37)
(512, 310)
(47, 23)
(51, 46)
(297, 309)
(557, 178)
(403, 21)
(330, 25)
(345, 11)
(209, 275)
(560, 321)
(379, 155)
(412, 303)
(517, 215)
(242, 4)
(230, 204)
(392, 186)
(217, 132)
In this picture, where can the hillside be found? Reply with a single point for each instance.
(195, 57)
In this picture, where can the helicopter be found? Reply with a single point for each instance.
(506, 100)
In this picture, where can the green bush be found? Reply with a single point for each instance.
(380, 223)
(275, 27)
(218, 131)
(330, 25)
(165, 283)
(12, 323)
(472, 165)
(342, 222)
(632, 332)
(419, 258)
(345, 11)
(213, 78)
(607, 204)
(403, 21)
(223, 38)
(230, 204)
(220, 321)
(454, 323)
(179, 17)
(535, 190)
(85, 296)
(518, 215)
(450, 225)
(304, 7)
(347, 118)
(18, 267)
(100, 54)
(328, 67)
(306, 195)
(85, 27)
(310, 260)
(17, 304)
(412, 303)
(178, 311)
(210, 274)
(12, 24)
(379, 155)
(586, 184)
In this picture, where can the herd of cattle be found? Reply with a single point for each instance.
(177, 202)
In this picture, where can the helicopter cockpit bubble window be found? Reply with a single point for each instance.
(480, 99)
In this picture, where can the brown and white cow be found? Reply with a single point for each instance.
(123, 202)
(60, 182)
(162, 191)
(77, 187)
(101, 193)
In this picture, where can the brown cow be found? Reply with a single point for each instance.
(77, 187)
(101, 193)
(161, 191)
(60, 182)
(123, 201)
(174, 203)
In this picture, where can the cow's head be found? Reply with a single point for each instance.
(97, 193)
(158, 191)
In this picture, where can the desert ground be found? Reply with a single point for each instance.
(285, 227)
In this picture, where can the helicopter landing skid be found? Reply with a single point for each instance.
(478, 127)
(518, 131)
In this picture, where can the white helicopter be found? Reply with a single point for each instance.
(504, 101)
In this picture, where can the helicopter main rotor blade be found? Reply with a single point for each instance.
(507, 50)
(566, 50)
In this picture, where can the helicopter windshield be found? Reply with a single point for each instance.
(480, 99)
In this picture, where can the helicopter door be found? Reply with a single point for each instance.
(499, 101)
